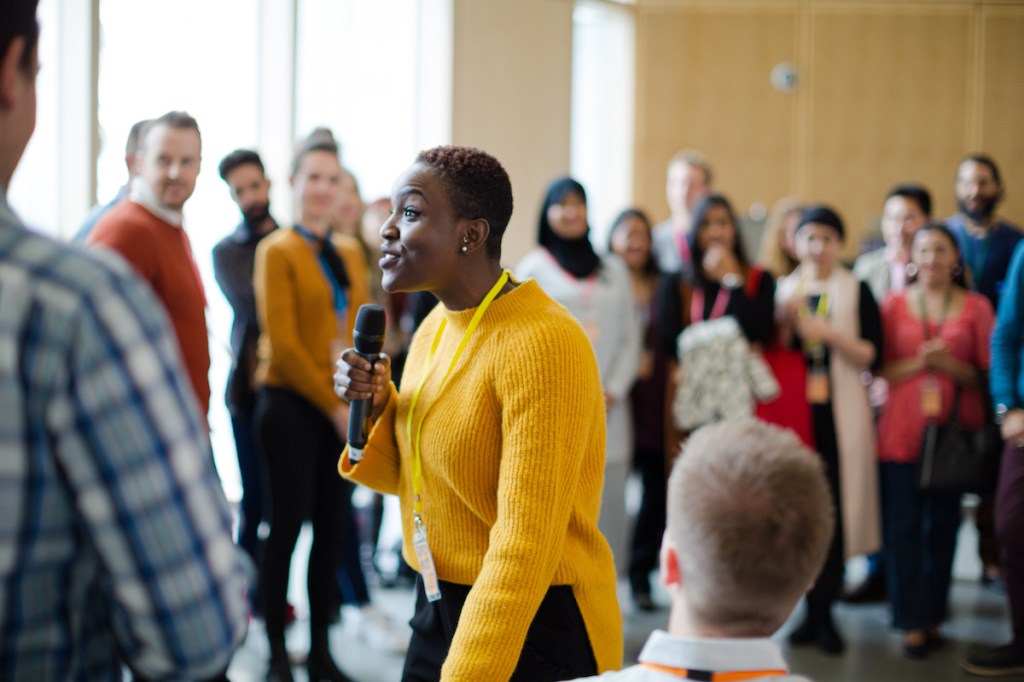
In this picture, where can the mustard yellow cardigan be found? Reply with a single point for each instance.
(295, 308)
(513, 463)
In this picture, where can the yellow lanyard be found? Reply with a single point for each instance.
(816, 350)
(414, 435)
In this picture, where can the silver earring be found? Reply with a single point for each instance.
(464, 248)
(911, 270)
(465, 244)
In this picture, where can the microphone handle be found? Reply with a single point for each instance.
(359, 416)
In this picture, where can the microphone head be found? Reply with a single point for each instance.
(371, 322)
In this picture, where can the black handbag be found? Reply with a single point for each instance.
(958, 460)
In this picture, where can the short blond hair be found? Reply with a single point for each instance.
(751, 517)
(691, 157)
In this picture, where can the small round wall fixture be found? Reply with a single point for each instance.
(784, 77)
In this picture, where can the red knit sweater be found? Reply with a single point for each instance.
(161, 255)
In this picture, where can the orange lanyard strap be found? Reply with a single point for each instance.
(708, 676)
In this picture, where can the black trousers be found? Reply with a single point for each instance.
(830, 581)
(556, 647)
(302, 449)
(650, 519)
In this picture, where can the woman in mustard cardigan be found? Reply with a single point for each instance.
(495, 444)
(309, 284)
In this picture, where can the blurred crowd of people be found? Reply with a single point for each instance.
(856, 360)
(668, 339)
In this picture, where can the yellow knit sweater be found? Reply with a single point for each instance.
(513, 462)
(295, 307)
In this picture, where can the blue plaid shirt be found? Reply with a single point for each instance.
(115, 537)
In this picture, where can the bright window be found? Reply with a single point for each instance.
(602, 110)
(356, 73)
(35, 191)
(200, 57)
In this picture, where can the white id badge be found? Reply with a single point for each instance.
(426, 562)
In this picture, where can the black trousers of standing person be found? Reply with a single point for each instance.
(302, 448)
(556, 647)
(650, 519)
(830, 581)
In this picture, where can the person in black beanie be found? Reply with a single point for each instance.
(827, 312)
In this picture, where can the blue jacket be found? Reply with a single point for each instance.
(996, 252)
(1007, 374)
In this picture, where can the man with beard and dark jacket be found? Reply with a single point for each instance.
(986, 240)
(233, 259)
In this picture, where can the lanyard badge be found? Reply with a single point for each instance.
(419, 537)
(425, 559)
(819, 388)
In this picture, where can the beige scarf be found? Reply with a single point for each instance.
(855, 427)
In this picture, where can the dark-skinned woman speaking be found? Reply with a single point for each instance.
(495, 444)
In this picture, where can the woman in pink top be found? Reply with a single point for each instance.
(936, 339)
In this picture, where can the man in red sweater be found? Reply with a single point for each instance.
(147, 231)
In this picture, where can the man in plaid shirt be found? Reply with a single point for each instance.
(115, 542)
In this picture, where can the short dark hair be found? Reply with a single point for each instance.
(914, 192)
(320, 140)
(239, 157)
(477, 185)
(176, 120)
(960, 277)
(984, 160)
(700, 215)
(18, 18)
(131, 145)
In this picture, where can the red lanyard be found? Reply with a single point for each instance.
(682, 248)
(688, 674)
(717, 310)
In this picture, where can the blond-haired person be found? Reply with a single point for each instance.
(687, 179)
(750, 520)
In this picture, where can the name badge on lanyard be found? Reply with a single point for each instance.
(426, 560)
(819, 388)
(931, 397)
(420, 545)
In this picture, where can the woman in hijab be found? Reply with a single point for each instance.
(598, 293)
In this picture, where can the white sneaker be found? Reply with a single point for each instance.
(377, 629)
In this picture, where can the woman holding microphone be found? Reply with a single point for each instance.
(495, 444)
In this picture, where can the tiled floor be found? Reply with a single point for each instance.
(873, 651)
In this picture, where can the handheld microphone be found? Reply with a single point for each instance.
(368, 337)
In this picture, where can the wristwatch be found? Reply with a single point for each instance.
(1000, 415)
(731, 280)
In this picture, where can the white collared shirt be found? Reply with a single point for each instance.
(142, 194)
(703, 653)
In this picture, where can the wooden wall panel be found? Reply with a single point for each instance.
(890, 91)
(512, 91)
(703, 82)
(1002, 95)
(888, 96)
